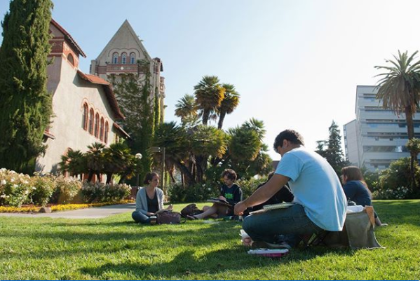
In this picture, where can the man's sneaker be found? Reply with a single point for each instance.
(266, 245)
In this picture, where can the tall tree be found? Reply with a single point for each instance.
(228, 104)
(186, 108)
(399, 89)
(133, 93)
(25, 104)
(208, 96)
(333, 153)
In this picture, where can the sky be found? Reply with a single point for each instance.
(295, 63)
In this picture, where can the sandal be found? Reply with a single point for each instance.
(192, 217)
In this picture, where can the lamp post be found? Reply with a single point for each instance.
(138, 157)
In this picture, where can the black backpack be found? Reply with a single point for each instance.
(190, 210)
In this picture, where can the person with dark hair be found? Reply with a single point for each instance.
(149, 200)
(356, 189)
(320, 202)
(230, 193)
(283, 195)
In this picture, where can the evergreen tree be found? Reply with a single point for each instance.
(133, 93)
(334, 152)
(25, 104)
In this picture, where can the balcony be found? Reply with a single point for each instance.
(120, 68)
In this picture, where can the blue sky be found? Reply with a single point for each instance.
(295, 63)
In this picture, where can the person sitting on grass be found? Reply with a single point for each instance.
(320, 201)
(283, 195)
(229, 192)
(149, 200)
(356, 189)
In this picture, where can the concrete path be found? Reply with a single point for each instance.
(88, 213)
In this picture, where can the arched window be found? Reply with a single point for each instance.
(97, 125)
(106, 132)
(123, 58)
(91, 117)
(115, 58)
(101, 131)
(132, 58)
(85, 117)
(70, 59)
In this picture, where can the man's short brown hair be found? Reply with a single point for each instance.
(290, 135)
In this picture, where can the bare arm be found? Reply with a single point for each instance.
(262, 194)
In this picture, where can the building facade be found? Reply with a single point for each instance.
(124, 54)
(377, 136)
(85, 110)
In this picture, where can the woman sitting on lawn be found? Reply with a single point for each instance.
(149, 200)
(356, 188)
(230, 193)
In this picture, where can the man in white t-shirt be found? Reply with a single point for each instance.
(320, 200)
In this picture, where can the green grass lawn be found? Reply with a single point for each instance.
(117, 248)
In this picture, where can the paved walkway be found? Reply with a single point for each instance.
(88, 213)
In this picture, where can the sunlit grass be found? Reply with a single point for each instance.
(117, 248)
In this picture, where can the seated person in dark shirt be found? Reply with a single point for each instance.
(283, 195)
(356, 188)
(230, 193)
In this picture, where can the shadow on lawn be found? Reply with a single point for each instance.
(186, 263)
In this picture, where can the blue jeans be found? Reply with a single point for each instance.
(290, 223)
(140, 217)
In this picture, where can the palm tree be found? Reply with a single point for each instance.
(119, 160)
(399, 89)
(95, 160)
(229, 103)
(208, 96)
(73, 162)
(186, 108)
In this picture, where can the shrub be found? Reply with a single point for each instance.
(195, 193)
(14, 188)
(249, 186)
(397, 193)
(394, 181)
(42, 189)
(67, 190)
(92, 192)
(115, 192)
(99, 192)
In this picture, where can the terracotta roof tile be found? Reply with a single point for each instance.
(68, 37)
(108, 92)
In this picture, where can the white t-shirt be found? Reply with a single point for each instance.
(316, 187)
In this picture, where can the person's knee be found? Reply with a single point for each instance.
(247, 225)
(135, 216)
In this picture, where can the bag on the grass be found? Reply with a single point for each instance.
(168, 217)
(190, 210)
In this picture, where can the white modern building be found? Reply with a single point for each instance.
(377, 136)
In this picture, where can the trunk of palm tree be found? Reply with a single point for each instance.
(206, 114)
(201, 164)
(122, 179)
(410, 132)
(91, 173)
(189, 179)
(221, 119)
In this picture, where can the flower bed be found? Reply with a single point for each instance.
(58, 207)
(63, 193)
